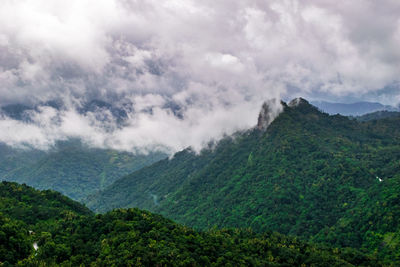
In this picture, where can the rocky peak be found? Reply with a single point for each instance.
(303, 106)
(298, 102)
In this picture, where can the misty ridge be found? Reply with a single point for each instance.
(146, 124)
(136, 126)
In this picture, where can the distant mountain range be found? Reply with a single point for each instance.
(353, 109)
(21, 111)
(120, 112)
(70, 167)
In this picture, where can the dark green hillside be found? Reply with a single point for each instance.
(15, 241)
(135, 237)
(153, 182)
(71, 167)
(382, 114)
(31, 206)
(324, 178)
(25, 212)
(75, 237)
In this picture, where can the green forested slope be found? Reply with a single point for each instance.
(75, 237)
(24, 203)
(14, 158)
(323, 178)
(71, 167)
(25, 211)
(377, 115)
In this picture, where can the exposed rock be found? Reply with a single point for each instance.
(297, 102)
(269, 111)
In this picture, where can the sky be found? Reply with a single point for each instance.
(218, 61)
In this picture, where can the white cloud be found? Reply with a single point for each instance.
(213, 58)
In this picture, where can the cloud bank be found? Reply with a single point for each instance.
(217, 61)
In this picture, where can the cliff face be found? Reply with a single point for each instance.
(269, 111)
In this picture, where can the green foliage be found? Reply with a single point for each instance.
(310, 174)
(15, 242)
(124, 237)
(31, 206)
(135, 237)
(377, 115)
(25, 211)
(71, 167)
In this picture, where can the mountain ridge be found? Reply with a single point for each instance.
(352, 109)
(305, 175)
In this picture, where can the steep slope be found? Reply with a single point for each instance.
(71, 167)
(321, 177)
(75, 237)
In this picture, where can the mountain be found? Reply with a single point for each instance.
(377, 115)
(328, 179)
(353, 109)
(24, 211)
(12, 158)
(117, 112)
(44, 228)
(23, 112)
(70, 167)
(24, 203)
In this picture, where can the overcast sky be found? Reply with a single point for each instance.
(217, 60)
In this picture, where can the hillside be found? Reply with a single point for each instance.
(324, 178)
(13, 158)
(378, 115)
(31, 206)
(75, 237)
(70, 167)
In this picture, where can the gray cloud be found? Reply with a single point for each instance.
(216, 60)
